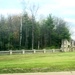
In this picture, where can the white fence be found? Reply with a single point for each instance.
(10, 52)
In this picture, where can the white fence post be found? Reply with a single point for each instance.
(34, 51)
(10, 52)
(44, 51)
(53, 50)
(23, 51)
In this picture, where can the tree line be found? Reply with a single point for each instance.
(24, 32)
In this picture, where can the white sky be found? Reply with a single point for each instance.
(64, 9)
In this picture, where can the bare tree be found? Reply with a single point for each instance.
(33, 10)
(30, 8)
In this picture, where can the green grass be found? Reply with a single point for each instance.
(37, 62)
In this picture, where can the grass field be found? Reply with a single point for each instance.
(37, 62)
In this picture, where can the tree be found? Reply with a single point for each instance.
(47, 30)
(62, 31)
(33, 10)
(47, 33)
(26, 29)
(3, 33)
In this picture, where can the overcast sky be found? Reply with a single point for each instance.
(64, 9)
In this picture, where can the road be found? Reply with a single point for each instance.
(46, 73)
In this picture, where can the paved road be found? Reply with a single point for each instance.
(48, 73)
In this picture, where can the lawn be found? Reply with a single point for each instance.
(48, 62)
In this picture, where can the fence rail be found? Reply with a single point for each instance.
(10, 52)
